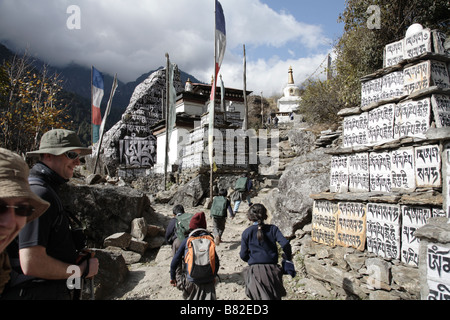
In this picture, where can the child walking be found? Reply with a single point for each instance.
(263, 277)
(200, 286)
(219, 209)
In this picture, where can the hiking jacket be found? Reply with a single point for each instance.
(266, 252)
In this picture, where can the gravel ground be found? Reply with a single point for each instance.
(150, 280)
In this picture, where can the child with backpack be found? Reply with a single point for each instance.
(242, 191)
(264, 277)
(219, 209)
(201, 262)
(178, 227)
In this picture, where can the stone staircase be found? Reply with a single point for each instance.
(281, 155)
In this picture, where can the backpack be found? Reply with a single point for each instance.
(76, 227)
(202, 263)
(241, 184)
(219, 207)
(182, 225)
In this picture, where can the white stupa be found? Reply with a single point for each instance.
(290, 100)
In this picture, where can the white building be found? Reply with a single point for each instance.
(191, 110)
(290, 100)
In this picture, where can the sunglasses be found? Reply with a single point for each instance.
(22, 210)
(72, 155)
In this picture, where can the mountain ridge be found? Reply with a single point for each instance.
(77, 80)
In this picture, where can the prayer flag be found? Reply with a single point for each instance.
(97, 96)
(219, 52)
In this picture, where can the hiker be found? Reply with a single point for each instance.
(171, 232)
(18, 205)
(196, 285)
(263, 276)
(268, 122)
(219, 209)
(275, 122)
(46, 247)
(242, 190)
(178, 230)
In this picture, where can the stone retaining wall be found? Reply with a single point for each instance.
(386, 182)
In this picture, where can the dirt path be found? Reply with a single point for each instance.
(151, 280)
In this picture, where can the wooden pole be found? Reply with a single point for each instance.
(245, 93)
(262, 111)
(105, 116)
(247, 142)
(167, 122)
(92, 103)
(211, 109)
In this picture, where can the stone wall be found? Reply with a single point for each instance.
(386, 180)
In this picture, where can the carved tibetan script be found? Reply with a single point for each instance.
(438, 272)
(403, 169)
(355, 130)
(441, 110)
(380, 171)
(324, 222)
(383, 230)
(339, 173)
(351, 226)
(393, 53)
(137, 152)
(413, 217)
(358, 172)
(428, 166)
(417, 44)
(381, 124)
(412, 118)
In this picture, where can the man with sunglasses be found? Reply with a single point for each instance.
(46, 249)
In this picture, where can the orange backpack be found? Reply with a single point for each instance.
(202, 262)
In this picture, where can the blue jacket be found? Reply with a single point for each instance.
(266, 252)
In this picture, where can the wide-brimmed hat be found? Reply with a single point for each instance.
(59, 141)
(14, 182)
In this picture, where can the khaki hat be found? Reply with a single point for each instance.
(14, 182)
(59, 141)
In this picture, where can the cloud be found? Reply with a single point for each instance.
(131, 37)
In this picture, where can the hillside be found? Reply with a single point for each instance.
(77, 92)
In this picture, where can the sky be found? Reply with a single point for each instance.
(131, 37)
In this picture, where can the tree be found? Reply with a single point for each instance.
(30, 105)
(360, 50)
(319, 104)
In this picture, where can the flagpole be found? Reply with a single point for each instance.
(92, 103)
(167, 122)
(102, 127)
(211, 115)
(247, 138)
(245, 93)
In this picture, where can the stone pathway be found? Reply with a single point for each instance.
(151, 280)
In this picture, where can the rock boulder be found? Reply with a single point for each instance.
(305, 175)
